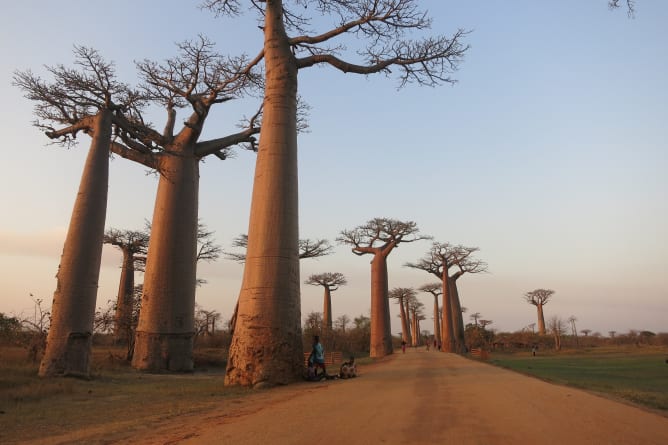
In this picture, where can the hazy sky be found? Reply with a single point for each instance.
(550, 155)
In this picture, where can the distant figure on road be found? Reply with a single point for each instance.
(533, 351)
(403, 346)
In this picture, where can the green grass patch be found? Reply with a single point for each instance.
(638, 376)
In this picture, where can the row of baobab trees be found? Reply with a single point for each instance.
(89, 99)
(377, 237)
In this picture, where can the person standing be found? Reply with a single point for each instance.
(318, 354)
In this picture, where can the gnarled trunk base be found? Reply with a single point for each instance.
(155, 352)
(263, 364)
(75, 358)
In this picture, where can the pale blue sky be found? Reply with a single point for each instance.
(549, 155)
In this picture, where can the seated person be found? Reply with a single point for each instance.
(348, 369)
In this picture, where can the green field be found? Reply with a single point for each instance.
(639, 376)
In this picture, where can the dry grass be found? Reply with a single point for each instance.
(31, 407)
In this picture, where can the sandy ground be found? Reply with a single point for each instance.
(419, 397)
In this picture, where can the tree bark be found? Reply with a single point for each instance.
(327, 310)
(541, 319)
(266, 347)
(414, 328)
(381, 336)
(68, 344)
(437, 321)
(123, 318)
(447, 333)
(457, 318)
(409, 339)
(164, 337)
(405, 333)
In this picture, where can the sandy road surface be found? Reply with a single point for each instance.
(417, 398)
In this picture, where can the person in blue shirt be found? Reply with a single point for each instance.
(318, 355)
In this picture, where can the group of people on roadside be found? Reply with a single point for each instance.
(316, 360)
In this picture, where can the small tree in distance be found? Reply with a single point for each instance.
(403, 295)
(435, 289)
(331, 281)
(539, 298)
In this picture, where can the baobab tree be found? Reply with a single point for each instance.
(438, 262)
(403, 295)
(572, 319)
(465, 263)
(197, 79)
(132, 244)
(539, 298)
(416, 310)
(86, 99)
(436, 290)
(475, 316)
(331, 281)
(271, 330)
(378, 237)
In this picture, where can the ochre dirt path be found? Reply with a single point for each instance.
(419, 397)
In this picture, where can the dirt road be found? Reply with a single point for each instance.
(415, 398)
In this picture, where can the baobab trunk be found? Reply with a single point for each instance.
(405, 333)
(541, 319)
(446, 322)
(266, 346)
(327, 310)
(437, 322)
(409, 339)
(123, 319)
(68, 344)
(164, 337)
(381, 338)
(457, 318)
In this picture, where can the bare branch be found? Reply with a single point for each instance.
(380, 235)
(331, 280)
(538, 297)
(307, 248)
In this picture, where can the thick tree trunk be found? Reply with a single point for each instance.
(437, 321)
(164, 337)
(541, 319)
(123, 318)
(266, 347)
(381, 337)
(405, 333)
(68, 344)
(447, 334)
(327, 310)
(409, 339)
(414, 328)
(457, 319)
